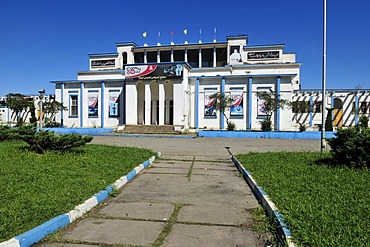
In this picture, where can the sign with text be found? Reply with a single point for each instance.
(103, 63)
(263, 55)
(154, 71)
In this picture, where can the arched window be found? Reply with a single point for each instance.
(124, 58)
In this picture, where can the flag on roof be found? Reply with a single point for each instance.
(185, 31)
(144, 34)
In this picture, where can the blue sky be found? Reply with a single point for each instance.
(46, 40)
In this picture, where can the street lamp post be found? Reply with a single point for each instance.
(323, 142)
(41, 96)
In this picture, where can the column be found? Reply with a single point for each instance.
(158, 56)
(62, 101)
(222, 119)
(186, 55)
(123, 103)
(161, 98)
(145, 57)
(311, 110)
(81, 104)
(102, 104)
(197, 103)
(278, 109)
(148, 99)
(249, 110)
(200, 58)
(356, 108)
(214, 57)
(172, 60)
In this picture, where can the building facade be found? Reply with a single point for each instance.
(172, 85)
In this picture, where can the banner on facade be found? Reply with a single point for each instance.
(154, 71)
(93, 104)
(209, 109)
(261, 111)
(113, 104)
(236, 107)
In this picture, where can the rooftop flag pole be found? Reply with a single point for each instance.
(200, 36)
(185, 33)
(144, 35)
(214, 35)
(323, 141)
(172, 39)
(159, 38)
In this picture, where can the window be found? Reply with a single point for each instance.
(73, 105)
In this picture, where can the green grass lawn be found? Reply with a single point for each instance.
(323, 206)
(35, 188)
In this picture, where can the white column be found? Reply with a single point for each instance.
(214, 57)
(186, 55)
(172, 60)
(148, 99)
(200, 58)
(145, 59)
(161, 98)
(158, 56)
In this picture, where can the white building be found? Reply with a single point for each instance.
(171, 85)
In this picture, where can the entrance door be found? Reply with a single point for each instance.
(338, 113)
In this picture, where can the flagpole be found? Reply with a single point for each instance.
(323, 141)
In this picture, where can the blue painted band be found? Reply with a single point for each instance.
(101, 195)
(36, 234)
(81, 104)
(131, 175)
(197, 103)
(250, 81)
(146, 163)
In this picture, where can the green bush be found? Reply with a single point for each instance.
(266, 125)
(351, 147)
(231, 126)
(7, 133)
(329, 121)
(363, 122)
(46, 140)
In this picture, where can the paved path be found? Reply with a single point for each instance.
(193, 196)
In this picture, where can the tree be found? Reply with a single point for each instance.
(51, 108)
(222, 102)
(17, 102)
(272, 102)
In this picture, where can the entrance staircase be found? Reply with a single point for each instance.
(150, 129)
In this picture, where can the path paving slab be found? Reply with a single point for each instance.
(116, 231)
(138, 210)
(213, 172)
(196, 235)
(220, 215)
(67, 245)
(168, 170)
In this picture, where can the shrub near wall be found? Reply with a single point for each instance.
(351, 147)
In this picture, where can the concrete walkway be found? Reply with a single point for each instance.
(193, 196)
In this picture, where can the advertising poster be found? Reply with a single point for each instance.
(93, 104)
(113, 104)
(236, 107)
(154, 71)
(261, 107)
(209, 109)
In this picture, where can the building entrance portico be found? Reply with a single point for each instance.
(154, 102)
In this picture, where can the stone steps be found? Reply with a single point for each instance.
(149, 129)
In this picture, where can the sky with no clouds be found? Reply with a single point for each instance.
(48, 40)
